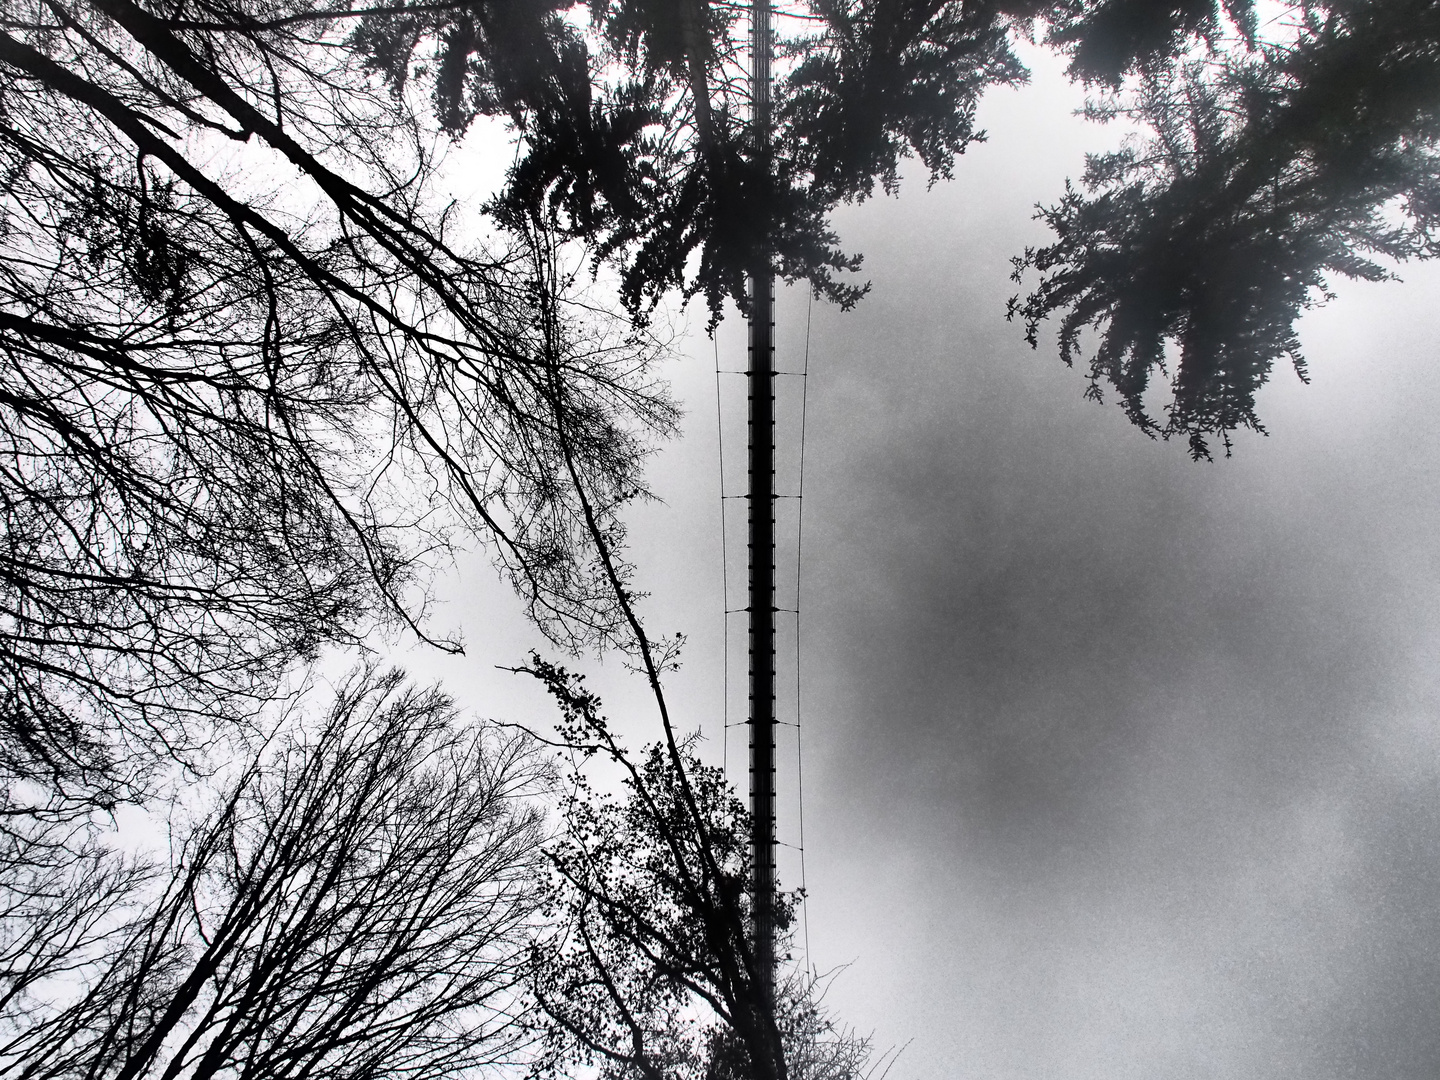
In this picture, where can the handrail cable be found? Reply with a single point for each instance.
(724, 576)
(799, 538)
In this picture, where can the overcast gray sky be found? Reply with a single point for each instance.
(1117, 766)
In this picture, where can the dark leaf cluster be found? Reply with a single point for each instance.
(638, 133)
(654, 968)
(1107, 40)
(1193, 253)
(885, 80)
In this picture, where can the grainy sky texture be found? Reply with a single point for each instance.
(1117, 766)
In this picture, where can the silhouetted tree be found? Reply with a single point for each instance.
(358, 904)
(653, 902)
(1193, 252)
(252, 382)
(817, 1045)
(652, 974)
(1108, 39)
(64, 899)
(634, 132)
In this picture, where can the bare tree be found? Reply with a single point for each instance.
(252, 380)
(357, 905)
(64, 901)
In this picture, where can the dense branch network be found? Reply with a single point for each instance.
(252, 383)
(356, 902)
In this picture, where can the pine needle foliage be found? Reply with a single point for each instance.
(1266, 172)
